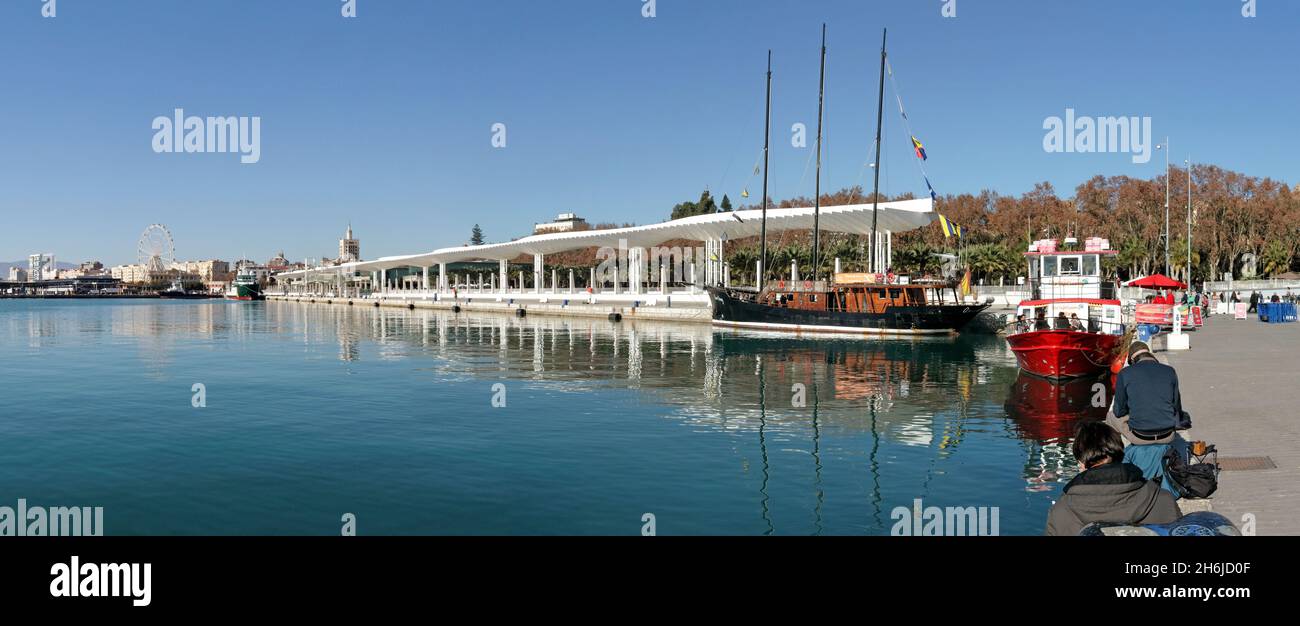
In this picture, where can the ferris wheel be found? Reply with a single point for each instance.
(156, 251)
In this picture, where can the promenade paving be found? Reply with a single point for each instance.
(1241, 383)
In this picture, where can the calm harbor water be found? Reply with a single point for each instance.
(314, 411)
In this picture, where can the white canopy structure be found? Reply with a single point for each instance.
(856, 218)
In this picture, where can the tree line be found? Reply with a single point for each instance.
(1235, 217)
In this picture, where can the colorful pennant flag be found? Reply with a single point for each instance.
(933, 196)
(951, 228)
(920, 149)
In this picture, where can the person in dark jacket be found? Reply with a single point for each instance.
(1040, 322)
(1107, 489)
(1147, 394)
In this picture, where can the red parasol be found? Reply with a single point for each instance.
(1155, 281)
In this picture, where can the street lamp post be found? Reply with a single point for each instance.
(1165, 147)
(1189, 221)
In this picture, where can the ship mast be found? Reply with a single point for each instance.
(817, 193)
(880, 112)
(761, 279)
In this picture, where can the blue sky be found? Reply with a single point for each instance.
(385, 120)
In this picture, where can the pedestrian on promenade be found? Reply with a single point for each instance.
(1107, 489)
(1254, 301)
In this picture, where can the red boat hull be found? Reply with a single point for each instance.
(1059, 354)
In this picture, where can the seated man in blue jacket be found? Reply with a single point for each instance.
(1149, 409)
(1146, 393)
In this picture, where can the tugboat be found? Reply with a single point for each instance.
(245, 287)
(1071, 326)
(858, 303)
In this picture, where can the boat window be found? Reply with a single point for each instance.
(1069, 266)
(1049, 266)
(1090, 265)
(895, 294)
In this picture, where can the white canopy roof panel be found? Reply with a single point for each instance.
(897, 216)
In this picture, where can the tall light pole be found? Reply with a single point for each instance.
(1165, 147)
(1189, 221)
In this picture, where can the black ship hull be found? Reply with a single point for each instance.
(736, 310)
(173, 295)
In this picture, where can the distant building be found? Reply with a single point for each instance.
(40, 267)
(86, 270)
(17, 274)
(90, 268)
(349, 248)
(563, 223)
(134, 273)
(279, 263)
(206, 271)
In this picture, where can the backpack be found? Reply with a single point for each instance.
(1199, 480)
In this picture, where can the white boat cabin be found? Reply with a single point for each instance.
(1068, 273)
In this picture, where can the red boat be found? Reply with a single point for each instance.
(1068, 329)
(1065, 352)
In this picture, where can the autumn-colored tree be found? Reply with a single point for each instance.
(1232, 214)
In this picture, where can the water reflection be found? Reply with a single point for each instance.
(869, 397)
(1046, 414)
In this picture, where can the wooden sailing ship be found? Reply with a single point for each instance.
(854, 303)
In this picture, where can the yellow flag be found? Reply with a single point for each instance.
(744, 193)
(965, 283)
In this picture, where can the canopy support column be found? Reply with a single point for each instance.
(538, 268)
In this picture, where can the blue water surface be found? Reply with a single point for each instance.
(315, 410)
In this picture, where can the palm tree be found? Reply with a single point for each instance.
(742, 262)
(1178, 259)
(917, 258)
(1276, 259)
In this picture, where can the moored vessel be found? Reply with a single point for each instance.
(1071, 326)
(859, 303)
(245, 287)
(850, 304)
(177, 291)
